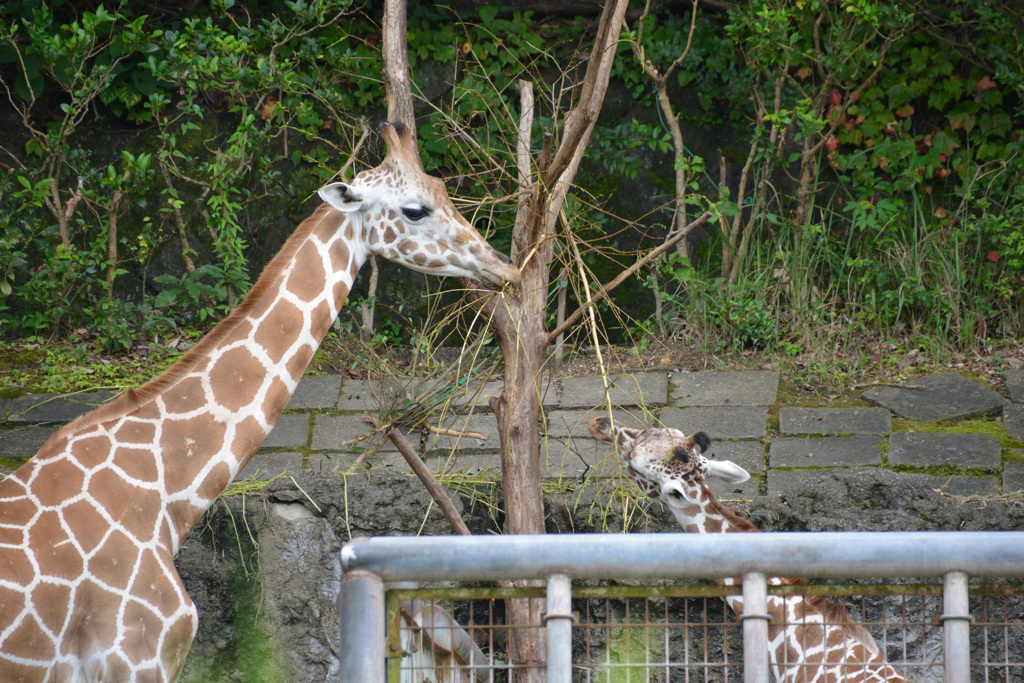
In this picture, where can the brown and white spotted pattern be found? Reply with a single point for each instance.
(810, 639)
(89, 527)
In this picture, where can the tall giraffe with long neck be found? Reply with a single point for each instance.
(810, 639)
(90, 526)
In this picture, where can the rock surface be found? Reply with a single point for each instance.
(263, 569)
(945, 396)
(291, 534)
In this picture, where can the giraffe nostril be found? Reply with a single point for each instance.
(504, 258)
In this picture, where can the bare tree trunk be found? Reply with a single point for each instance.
(806, 191)
(660, 81)
(397, 84)
(737, 243)
(63, 212)
(518, 318)
(398, 91)
(519, 328)
(518, 321)
(659, 313)
(115, 204)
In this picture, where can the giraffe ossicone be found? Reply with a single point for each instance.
(810, 639)
(89, 527)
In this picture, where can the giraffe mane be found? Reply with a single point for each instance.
(135, 397)
(742, 524)
(833, 613)
(836, 614)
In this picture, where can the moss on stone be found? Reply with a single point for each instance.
(941, 470)
(974, 425)
(259, 654)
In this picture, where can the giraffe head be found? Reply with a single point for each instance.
(406, 216)
(666, 464)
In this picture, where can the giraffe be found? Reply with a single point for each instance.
(90, 526)
(810, 639)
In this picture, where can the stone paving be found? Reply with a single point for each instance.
(778, 444)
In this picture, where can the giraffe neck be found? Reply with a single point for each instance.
(242, 387)
(811, 639)
(708, 515)
(187, 433)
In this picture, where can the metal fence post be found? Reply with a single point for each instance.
(559, 619)
(956, 623)
(755, 620)
(362, 638)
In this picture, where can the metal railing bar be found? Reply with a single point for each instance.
(956, 621)
(694, 591)
(394, 641)
(984, 554)
(361, 612)
(470, 593)
(559, 620)
(958, 560)
(755, 628)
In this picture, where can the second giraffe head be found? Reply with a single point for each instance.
(406, 216)
(665, 463)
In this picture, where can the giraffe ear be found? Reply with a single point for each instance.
(341, 196)
(602, 429)
(674, 492)
(727, 471)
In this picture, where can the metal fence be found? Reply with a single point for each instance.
(961, 619)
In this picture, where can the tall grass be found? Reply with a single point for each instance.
(915, 273)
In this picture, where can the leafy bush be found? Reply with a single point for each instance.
(885, 168)
(882, 164)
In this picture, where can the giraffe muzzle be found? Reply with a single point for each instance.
(499, 270)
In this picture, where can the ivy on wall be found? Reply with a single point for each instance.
(147, 150)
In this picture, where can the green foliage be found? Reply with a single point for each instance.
(232, 104)
(485, 60)
(613, 144)
(262, 77)
(883, 193)
(886, 172)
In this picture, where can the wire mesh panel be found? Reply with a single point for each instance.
(452, 636)
(861, 633)
(656, 639)
(662, 634)
(997, 637)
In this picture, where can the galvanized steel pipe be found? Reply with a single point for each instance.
(559, 620)
(984, 554)
(755, 628)
(361, 623)
(956, 622)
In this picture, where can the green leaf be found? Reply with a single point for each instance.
(488, 13)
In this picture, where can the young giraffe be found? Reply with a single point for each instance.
(90, 526)
(810, 639)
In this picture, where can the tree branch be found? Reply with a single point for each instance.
(436, 491)
(523, 160)
(396, 64)
(604, 291)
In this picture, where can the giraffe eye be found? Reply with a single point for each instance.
(414, 213)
